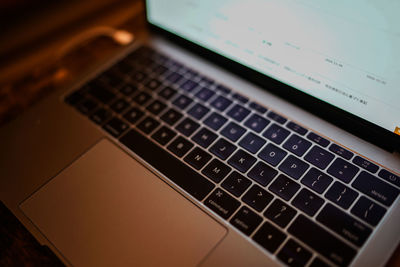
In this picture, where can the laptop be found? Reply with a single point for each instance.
(257, 133)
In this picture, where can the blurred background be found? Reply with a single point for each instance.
(34, 33)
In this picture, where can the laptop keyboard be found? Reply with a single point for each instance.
(296, 194)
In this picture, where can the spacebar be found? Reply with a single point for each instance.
(192, 182)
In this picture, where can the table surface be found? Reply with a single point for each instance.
(18, 246)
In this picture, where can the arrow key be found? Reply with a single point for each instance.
(293, 254)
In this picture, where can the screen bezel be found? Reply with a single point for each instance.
(351, 123)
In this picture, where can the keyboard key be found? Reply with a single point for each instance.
(256, 123)
(238, 113)
(115, 127)
(180, 146)
(101, 116)
(344, 225)
(187, 126)
(204, 94)
(87, 106)
(308, 202)
(272, 154)
(221, 103)
(233, 131)
(297, 145)
(343, 170)
(240, 98)
(252, 142)
(189, 85)
(182, 102)
(262, 173)
(120, 105)
(319, 157)
(197, 158)
(318, 139)
(223, 89)
(102, 94)
(174, 65)
(341, 195)
(167, 93)
(236, 183)
(280, 213)
(160, 69)
(141, 98)
(222, 203)
(163, 135)
(257, 198)
(204, 137)
(148, 124)
(174, 77)
(246, 220)
(260, 109)
(191, 73)
(284, 187)
(341, 151)
(171, 116)
(368, 211)
(156, 107)
(366, 164)
(216, 170)
(222, 149)
(269, 237)
(198, 111)
(173, 168)
(297, 128)
(293, 254)
(322, 241)
(205, 81)
(153, 84)
(376, 188)
(293, 167)
(276, 117)
(316, 180)
(138, 76)
(276, 133)
(133, 115)
(215, 121)
(242, 161)
(390, 177)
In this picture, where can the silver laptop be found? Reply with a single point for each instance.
(237, 133)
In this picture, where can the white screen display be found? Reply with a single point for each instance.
(346, 53)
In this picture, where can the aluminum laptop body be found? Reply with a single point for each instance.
(218, 139)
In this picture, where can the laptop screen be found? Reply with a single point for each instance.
(345, 53)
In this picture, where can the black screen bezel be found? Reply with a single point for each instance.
(343, 119)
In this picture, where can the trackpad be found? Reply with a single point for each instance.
(106, 209)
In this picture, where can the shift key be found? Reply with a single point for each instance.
(376, 188)
(344, 224)
(322, 241)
